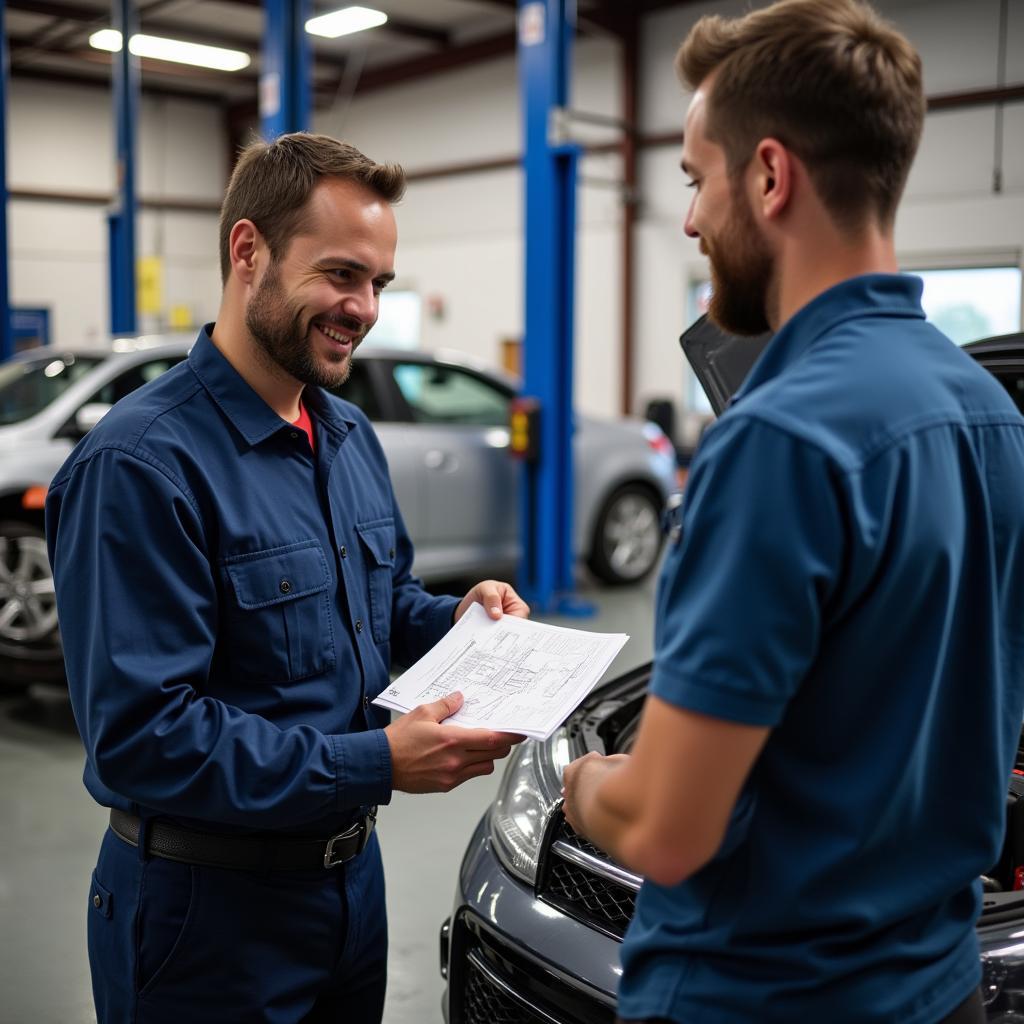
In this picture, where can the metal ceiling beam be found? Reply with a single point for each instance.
(397, 26)
(103, 82)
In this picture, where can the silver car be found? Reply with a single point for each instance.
(442, 422)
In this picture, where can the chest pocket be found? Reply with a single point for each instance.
(278, 613)
(378, 539)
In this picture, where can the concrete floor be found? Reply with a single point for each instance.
(51, 830)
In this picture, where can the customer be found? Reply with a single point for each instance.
(819, 776)
(233, 578)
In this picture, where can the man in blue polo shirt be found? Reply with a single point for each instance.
(819, 776)
(233, 579)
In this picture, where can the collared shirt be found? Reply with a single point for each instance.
(850, 572)
(230, 601)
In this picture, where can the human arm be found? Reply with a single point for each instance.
(663, 811)
(739, 620)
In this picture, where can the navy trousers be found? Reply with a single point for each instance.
(172, 942)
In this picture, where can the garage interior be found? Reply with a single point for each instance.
(439, 87)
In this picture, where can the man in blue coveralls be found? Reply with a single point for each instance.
(819, 776)
(233, 578)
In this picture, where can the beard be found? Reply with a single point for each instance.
(282, 333)
(741, 273)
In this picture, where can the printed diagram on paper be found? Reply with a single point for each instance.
(515, 675)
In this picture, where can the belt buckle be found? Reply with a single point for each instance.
(361, 830)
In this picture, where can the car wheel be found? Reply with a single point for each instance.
(30, 649)
(628, 536)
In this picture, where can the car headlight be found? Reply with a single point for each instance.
(529, 791)
(1002, 983)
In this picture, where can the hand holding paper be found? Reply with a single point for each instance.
(515, 675)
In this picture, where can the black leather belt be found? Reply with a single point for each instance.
(245, 852)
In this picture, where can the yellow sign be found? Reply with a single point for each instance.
(149, 280)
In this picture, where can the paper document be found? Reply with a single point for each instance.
(516, 675)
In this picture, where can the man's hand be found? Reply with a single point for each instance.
(579, 781)
(428, 757)
(497, 598)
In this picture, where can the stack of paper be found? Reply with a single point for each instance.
(516, 675)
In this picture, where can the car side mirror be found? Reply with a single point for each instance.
(89, 415)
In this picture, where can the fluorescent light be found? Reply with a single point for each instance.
(172, 50)
(345, 22)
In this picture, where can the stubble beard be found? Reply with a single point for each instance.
(282, 334)
(742, 273)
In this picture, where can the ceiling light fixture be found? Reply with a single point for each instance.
(345, 22)
(175, 50)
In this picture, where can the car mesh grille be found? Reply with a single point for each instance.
(486, 1003)
(494, 981)
(584, 895)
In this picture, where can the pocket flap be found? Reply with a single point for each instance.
(379, 538)
(100, 899)
(278, 574)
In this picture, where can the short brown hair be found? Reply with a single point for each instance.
(272, 183)
(830, 80)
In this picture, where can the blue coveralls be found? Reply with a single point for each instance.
(229, 603)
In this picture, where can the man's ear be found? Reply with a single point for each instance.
(772, 168)
(244, 243)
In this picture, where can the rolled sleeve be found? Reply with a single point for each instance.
(744, 593)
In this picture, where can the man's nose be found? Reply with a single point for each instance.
(361, 303)
(688, 226)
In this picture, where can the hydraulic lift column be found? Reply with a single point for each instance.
(546, 30)
(121, 218)
(287, 59)
(6, 339)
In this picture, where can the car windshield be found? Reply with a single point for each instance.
(26, 388)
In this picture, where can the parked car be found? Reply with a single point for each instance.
(443, 424)
(539, 911)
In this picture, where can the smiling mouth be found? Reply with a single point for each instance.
(338, 337)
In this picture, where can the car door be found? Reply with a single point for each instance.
(370, 387)
(457, 439)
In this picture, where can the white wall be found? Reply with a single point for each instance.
(60, 139)
(461, 237)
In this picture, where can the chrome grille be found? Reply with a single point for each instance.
(582, 881)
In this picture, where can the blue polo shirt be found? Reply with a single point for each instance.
(229, 603)
(850, 573)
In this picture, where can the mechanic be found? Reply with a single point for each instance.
(233, 580)
(819, 776)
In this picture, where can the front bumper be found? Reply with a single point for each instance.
(516, 959)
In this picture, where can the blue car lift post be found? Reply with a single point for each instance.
(6, 335)
(287, 58)
(121, 218)
(546, 30)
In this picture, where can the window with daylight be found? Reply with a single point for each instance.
(968, 303)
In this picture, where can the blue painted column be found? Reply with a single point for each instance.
(6, 329)
(546, 30)
(287, 61)
(121, 217)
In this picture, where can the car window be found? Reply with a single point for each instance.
(446, 394)
(133, 378)
(1013, 381)
(26, 388)
(358, 390)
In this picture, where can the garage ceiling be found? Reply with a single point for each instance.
(49, 39)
